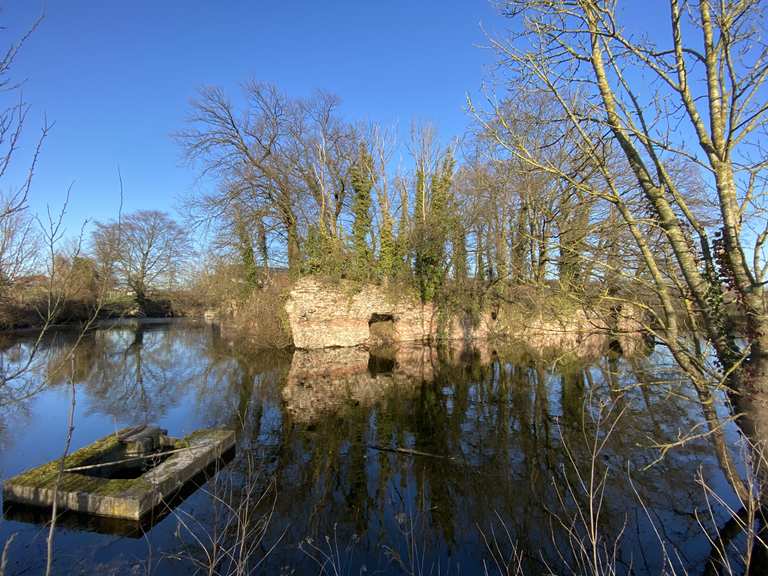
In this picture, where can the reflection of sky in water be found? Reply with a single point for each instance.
(313, 424)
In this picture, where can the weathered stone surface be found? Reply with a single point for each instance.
(118, 498)
(143, 440)
(578, 333)
(324, 315)
(466, 328)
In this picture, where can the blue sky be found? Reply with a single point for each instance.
(116, 78)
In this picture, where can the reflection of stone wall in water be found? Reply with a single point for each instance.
(324, 381)
(322, 315)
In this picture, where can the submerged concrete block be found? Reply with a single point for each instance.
(130, 498)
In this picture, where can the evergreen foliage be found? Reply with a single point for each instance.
(323, 255)
(362, 179)
(247, 254)
(432, 232)
(387, 247)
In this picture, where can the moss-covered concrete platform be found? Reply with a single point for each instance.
(80, 490)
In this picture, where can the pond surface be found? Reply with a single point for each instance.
(407, 461)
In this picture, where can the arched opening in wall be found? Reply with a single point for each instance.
(381, 328)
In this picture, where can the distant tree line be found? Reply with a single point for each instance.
(119, 268)
(301, 188)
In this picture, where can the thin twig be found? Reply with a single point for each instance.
(4, 559)
(409, 451)
(67, 443)
(134, 458)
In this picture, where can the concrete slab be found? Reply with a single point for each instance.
(128, 498)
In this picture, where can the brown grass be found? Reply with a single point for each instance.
(260, 318)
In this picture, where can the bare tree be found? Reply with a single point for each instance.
(147, 250)
(708, 76)
(285, 159)
(19, 243)
(669, 127)
(18, 238)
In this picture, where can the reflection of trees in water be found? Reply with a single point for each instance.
(309, 421)
(23, 363)
(13, 417)
(505, 423)
(134, 374)
(137, 372)
(238, 383)
(148, 370)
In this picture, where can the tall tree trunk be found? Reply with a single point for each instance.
(573, 225)
(247, 255)
(294, 253)
(479, 262)
(261, 242)
(459, 254)
(502, 257)
(518, 234)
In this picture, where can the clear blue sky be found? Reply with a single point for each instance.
(116, 77)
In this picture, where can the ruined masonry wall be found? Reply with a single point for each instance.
(322, 315)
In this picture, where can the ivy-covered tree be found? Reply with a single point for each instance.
(432, 230)
(402, 242)
(244, 243)
(362, 177)
(387, 248)
(323, 254)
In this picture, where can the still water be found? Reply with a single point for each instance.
(407, 461)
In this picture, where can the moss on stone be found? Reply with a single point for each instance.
(45, 476)
(116, 497)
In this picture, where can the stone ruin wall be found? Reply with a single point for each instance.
(580, 331)
(323, 315)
